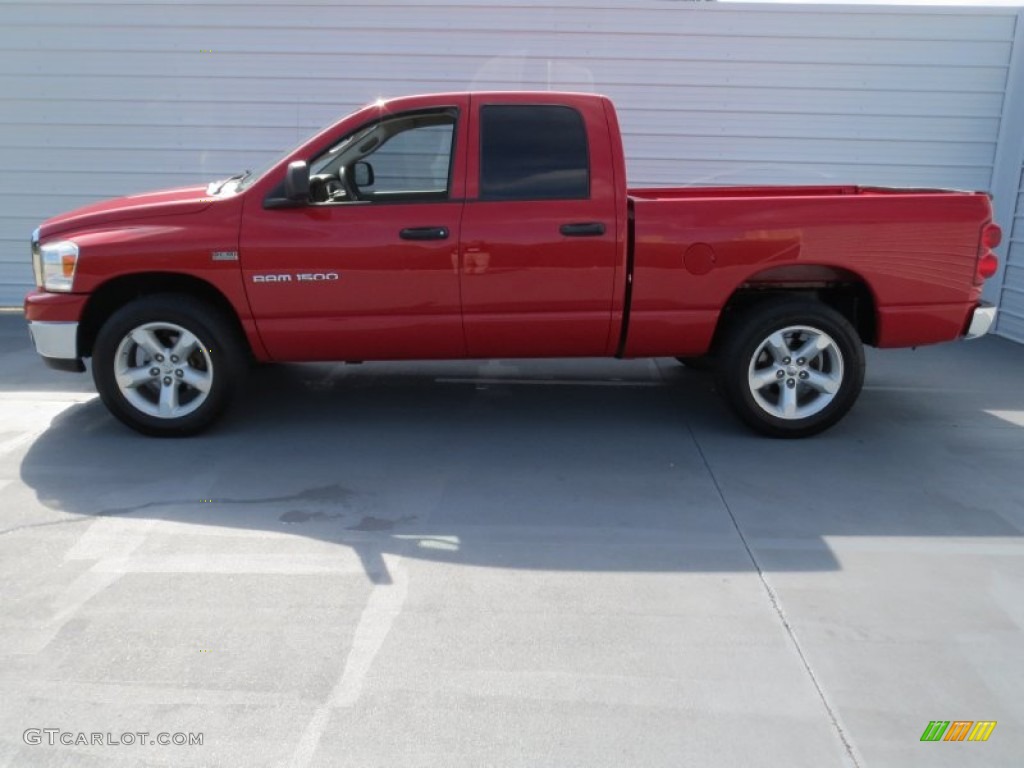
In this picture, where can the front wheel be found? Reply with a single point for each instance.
(791, 368)
(167, 364)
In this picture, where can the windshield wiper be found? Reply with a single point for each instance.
(239, 177)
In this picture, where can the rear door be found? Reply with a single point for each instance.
(539, 245)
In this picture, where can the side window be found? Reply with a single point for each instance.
(533, 152)
(405, 158)
(415, 161)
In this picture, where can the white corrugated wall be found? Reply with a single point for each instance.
(106, 98)
(1011, 305)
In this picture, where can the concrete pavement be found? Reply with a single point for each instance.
(516, 563)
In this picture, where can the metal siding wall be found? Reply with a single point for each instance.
(104, 99)
(1011, 308)
(1007, 287)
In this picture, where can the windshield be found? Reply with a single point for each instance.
(251, 177)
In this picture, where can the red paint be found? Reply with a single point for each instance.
(915, 251)
(505, 282)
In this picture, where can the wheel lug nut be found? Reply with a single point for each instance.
(803, 374)
(154, 371)
(800, 361)
(787, 360)
(179, 373)
(167, 380)
(779, 374)
(159, 358)
(174, 358)
(791, 383)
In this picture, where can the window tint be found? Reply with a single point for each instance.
(533, 153)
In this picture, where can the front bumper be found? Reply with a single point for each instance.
(982, 319)
(57, 344)
(53, 326)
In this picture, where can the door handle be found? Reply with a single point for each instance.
(424, 233)
(582, 229)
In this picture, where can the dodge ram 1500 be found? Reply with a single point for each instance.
(500, 225)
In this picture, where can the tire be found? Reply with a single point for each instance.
(778, 393)
(184, 396)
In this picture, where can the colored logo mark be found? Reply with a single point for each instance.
(958, 730)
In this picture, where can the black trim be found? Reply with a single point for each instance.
(68, 365)
(583, 229)
(627, 304)
(375, 203)
(424, 233)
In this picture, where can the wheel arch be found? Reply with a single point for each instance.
(119, 291)
(846, 291)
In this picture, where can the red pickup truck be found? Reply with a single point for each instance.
(499, 225)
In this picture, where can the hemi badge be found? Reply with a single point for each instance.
(224, 255)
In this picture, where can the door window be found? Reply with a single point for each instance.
(402, 159)
(533, 152)
(414, 161)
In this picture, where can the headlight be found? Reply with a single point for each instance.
(58, 262)
(37, 259)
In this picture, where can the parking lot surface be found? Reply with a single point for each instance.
(515, 563)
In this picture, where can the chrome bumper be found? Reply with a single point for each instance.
(982, 320)
(55, 340)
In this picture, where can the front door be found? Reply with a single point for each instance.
(368, 270)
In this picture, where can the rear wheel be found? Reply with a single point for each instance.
(791, 368)
(167, 364)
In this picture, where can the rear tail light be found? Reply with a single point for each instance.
(992, 236)
(988, 263)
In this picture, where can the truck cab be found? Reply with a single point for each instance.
(456, 226)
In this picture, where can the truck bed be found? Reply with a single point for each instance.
(914, 250)
(704, 193)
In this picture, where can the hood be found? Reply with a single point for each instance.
(167, 202)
